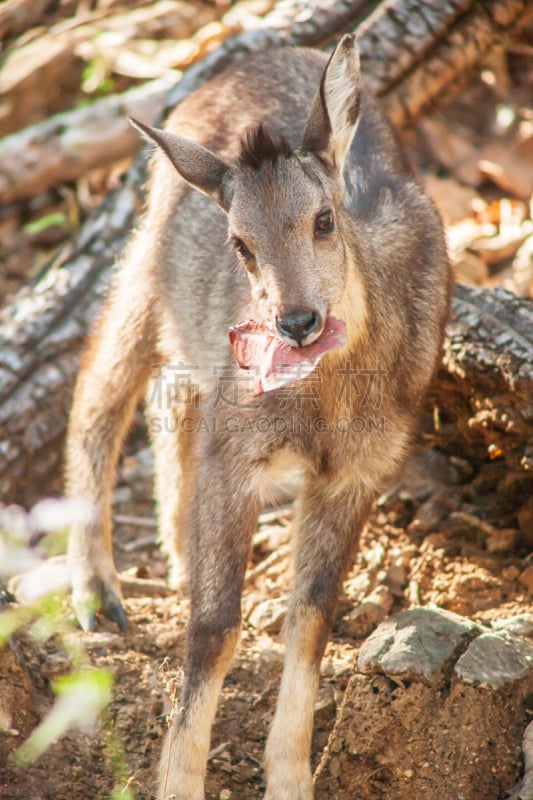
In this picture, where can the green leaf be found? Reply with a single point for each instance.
(12, 620)
(48, 221)
(121, 793)
(81, 698)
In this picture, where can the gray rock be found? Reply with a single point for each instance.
(325, 706)
(495, 660)
(415, 644)
(359, 622)
(269, 615)
(521, 624)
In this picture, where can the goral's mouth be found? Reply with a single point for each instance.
(277, 363)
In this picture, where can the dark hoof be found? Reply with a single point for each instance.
(112, 609)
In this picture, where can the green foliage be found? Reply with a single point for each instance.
(96, 80)
(27, 540)
(81, 697)
(57, 219)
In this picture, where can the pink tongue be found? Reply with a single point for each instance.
(277, 364)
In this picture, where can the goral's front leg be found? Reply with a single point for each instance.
(287, 757)
(331, 518)
(224, 515)
(184, 758)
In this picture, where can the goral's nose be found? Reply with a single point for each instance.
(298, 325)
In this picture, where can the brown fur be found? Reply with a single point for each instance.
(259, 145)
(382, 269)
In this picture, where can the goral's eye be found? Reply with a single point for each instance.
(324, 222)
(240, 247)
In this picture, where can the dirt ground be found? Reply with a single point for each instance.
(422, 545)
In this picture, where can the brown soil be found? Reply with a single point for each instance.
(401, 564)
(430, 742)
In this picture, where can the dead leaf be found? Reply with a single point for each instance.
(451, 150)
(509, 166)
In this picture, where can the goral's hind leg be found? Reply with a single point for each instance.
(112, 374)
(173, 425)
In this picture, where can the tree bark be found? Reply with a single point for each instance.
(440, 43)
(68, 145)
(431, 48)
(18, 15)
(42, 331)
(484, 391)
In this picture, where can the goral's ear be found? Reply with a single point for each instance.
(334, 114)
(197, 165)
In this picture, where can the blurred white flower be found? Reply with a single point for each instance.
(51, 515)
(27, 538)
(47, 577)
(15, 534)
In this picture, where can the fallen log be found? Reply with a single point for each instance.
(70, 144)
(65, 147)
(19, 15)
(484, 392)
(42, 331)
(441, 43)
